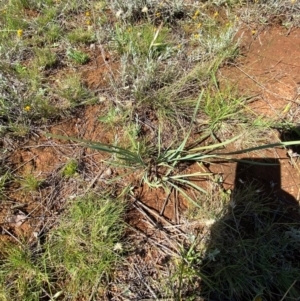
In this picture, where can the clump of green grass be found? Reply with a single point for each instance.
(22, 276)
(81, 35)
(72, 89)
(44, 58)
(30, 183)
(5, 176)
(158, 165)
(82, 248)
(145, 40)
(221, 107)
(12, 110)
(77, 56)
(76, 260)
(70, 169)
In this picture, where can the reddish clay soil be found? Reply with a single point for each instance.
(268, 68)
(101, 69)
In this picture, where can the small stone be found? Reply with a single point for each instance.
(106, 174)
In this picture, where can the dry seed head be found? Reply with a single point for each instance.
(145, 9)
(119, 13)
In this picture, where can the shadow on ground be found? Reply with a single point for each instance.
(254, 248)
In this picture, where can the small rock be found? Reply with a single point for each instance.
(106, 174)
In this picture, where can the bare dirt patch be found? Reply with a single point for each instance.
(101, 70)
(268, 69)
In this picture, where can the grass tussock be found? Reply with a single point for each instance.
(76, 260)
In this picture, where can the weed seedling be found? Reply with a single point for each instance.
(77, 56)
(30, 183)
(70, 169)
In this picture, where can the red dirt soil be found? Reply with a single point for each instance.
(268, 68)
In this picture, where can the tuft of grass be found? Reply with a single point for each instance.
(80, 35)
(159, 166)
(75, 261)
(82, 249)
(221, 107)
(5, 176)
(30, 183)
(44, 58)
(22, 276)
(70, 168)
(73, 90)
(77, 56)
(145, 40)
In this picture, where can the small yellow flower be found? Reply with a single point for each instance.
(196, 36)
(216, 14)
(293, 1)
(129, 29)
(199, 25)
(158, 14)
(253, 32)
(19, 33)
(88, 22)
(27, 108)
(197, 13)
(87, 14)
(179, 46)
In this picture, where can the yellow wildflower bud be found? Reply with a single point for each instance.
(19, 33)
(87, 14)
(27, 108)
(216, 14)
(253, 32)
